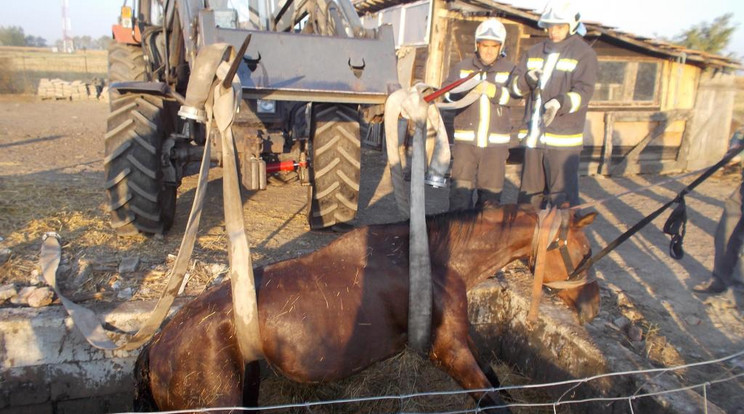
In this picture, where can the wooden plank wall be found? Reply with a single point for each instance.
(710, 127)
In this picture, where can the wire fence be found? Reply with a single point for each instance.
(736, 372)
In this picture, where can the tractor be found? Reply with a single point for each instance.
(310, 75)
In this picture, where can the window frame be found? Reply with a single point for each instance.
(396, 16)
(630, 77)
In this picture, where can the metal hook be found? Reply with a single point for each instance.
(252, 63)
(357, 70)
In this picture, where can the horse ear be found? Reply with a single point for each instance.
(586, 220)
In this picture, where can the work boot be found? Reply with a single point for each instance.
(738, 293)
(713, 286)
(537, 200)
(460, 195)
(487, 196)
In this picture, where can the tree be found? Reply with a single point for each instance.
(12, 36)
(82, 42)
(708, 37)
(35, 41)
(103, 42)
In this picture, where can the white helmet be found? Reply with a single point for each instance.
(562, 12)
(490, 29)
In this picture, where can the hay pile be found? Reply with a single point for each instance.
(91, 250)
(404, 374)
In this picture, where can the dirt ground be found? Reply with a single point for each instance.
(51, 179)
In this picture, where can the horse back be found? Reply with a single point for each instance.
(333, 312)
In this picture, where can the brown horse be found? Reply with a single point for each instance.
(334, 312)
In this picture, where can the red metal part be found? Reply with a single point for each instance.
(434, 95)
(272, 167)
(126, 34)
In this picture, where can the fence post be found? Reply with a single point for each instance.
(25, 74)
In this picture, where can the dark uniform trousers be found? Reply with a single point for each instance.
(550, 168)
(477, 168)
(728, 265)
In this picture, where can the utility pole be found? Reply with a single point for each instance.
(67, 44)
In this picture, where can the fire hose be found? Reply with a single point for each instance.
(410, 104)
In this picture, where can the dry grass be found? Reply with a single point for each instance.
(44, 60)
(658, 350)
(28, 209)
(21, 68)
(403, 374)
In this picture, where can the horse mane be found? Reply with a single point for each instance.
(455, 228)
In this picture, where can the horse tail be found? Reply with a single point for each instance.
(143, 399)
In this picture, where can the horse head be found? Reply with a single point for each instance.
(476, 241)
(566, 253)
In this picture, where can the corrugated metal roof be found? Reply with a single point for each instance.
(655, 46)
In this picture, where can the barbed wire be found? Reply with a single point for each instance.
(560, 402)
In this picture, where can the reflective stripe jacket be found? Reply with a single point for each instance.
(571, 82)
(486, 122)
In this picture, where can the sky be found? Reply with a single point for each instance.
(650, 18)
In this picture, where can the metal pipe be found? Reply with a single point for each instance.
(434, 95)
(281, 12)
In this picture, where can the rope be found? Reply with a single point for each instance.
(547, 227)
(638, 226)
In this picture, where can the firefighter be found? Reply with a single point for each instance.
(482, 129)
(557, 77)
(728, 262)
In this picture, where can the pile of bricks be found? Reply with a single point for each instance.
(75, 90)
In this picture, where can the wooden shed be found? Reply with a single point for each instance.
(657, 107)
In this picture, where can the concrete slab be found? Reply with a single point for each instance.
(46, 363)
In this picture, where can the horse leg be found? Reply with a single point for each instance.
(485, 367)
(187, 372)
(251, 384)
(456, 358)
(143, 399)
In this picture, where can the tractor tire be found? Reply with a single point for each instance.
(335, 161)
(138, 197)
(126, 63)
